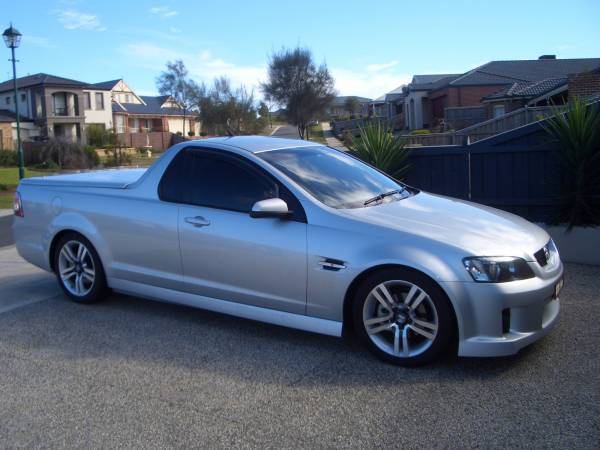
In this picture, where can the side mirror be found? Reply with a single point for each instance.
(271, 207)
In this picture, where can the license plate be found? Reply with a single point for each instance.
(558, 287)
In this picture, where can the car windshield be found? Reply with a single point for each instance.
(334, 178)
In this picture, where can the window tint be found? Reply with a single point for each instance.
(336, 179)
(206, 178)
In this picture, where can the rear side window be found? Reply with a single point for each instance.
(212, 179)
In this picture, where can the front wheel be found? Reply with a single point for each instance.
(78, 269)
(403, 317)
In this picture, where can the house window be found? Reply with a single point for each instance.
(23, 97)
(99, 100)
(499, 110)
(8, 100)
(120, 123)
(87, 100)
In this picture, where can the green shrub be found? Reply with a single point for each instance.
(3, 187)
(577, 134)
(46, 165)
(98, 136)
(92, 155)
(422, 131)
(203, 133)
(8, 158)
(117, 157)
(66, 155)
(380, 148)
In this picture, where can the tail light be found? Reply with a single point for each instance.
(17, 205)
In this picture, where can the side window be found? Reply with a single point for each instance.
(216, 181)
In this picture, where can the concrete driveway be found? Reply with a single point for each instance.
(134, 373)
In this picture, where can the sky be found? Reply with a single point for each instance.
(370, 47)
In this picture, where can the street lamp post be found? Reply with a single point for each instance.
(12, 39)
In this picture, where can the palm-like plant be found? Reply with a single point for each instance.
(380, 148)
(577, 132)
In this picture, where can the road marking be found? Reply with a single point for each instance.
(275, 130)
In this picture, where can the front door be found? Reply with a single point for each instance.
(227, 254)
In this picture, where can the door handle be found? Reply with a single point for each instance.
(197, 221)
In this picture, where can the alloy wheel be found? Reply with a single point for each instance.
(76, 268)
(400, 318)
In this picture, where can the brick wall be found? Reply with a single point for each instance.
(470, 95)
(160, 140)
(584, 84)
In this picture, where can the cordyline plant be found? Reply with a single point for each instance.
(380, 148)
(577, 133)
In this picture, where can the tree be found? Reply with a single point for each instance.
(352, 105)
(263, 112)
(175, 82)
(225, 110)
(295, 82)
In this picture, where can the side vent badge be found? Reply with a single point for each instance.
(332, 264)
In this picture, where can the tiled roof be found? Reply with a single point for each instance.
(108, 85)
(341, 100)
(528, 89)
(430, 82)
(508, 72)
(152, 107)
(41, 79)
(429, 78)
(9, 116)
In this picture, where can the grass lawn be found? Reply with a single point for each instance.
(315, 133)
(9, 179)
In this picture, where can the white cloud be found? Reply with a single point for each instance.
(163, 11)
(175, 30)
(76, 20)
(378, 67)
(367, 83)
(202, 66)
(205, 66)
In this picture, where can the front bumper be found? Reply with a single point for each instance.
(499, 319)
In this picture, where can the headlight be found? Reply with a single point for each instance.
(497, 269)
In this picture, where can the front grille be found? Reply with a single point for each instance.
(540, 256)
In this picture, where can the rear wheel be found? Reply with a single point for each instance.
(403, 317)
(78, 269)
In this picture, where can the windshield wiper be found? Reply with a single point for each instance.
(380, 197)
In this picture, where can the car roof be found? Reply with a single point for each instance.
(256, 144)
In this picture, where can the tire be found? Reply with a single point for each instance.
(412, 329)
(78, 269)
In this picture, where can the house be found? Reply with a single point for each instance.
(389, 105)
(8, 129)
(526, 93)
(418, 105)
(134, 113)
(338, 107)
(460, 102)
(378, 107)
(55, 106)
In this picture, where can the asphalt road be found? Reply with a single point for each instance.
(287, 131)
(129, 372)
